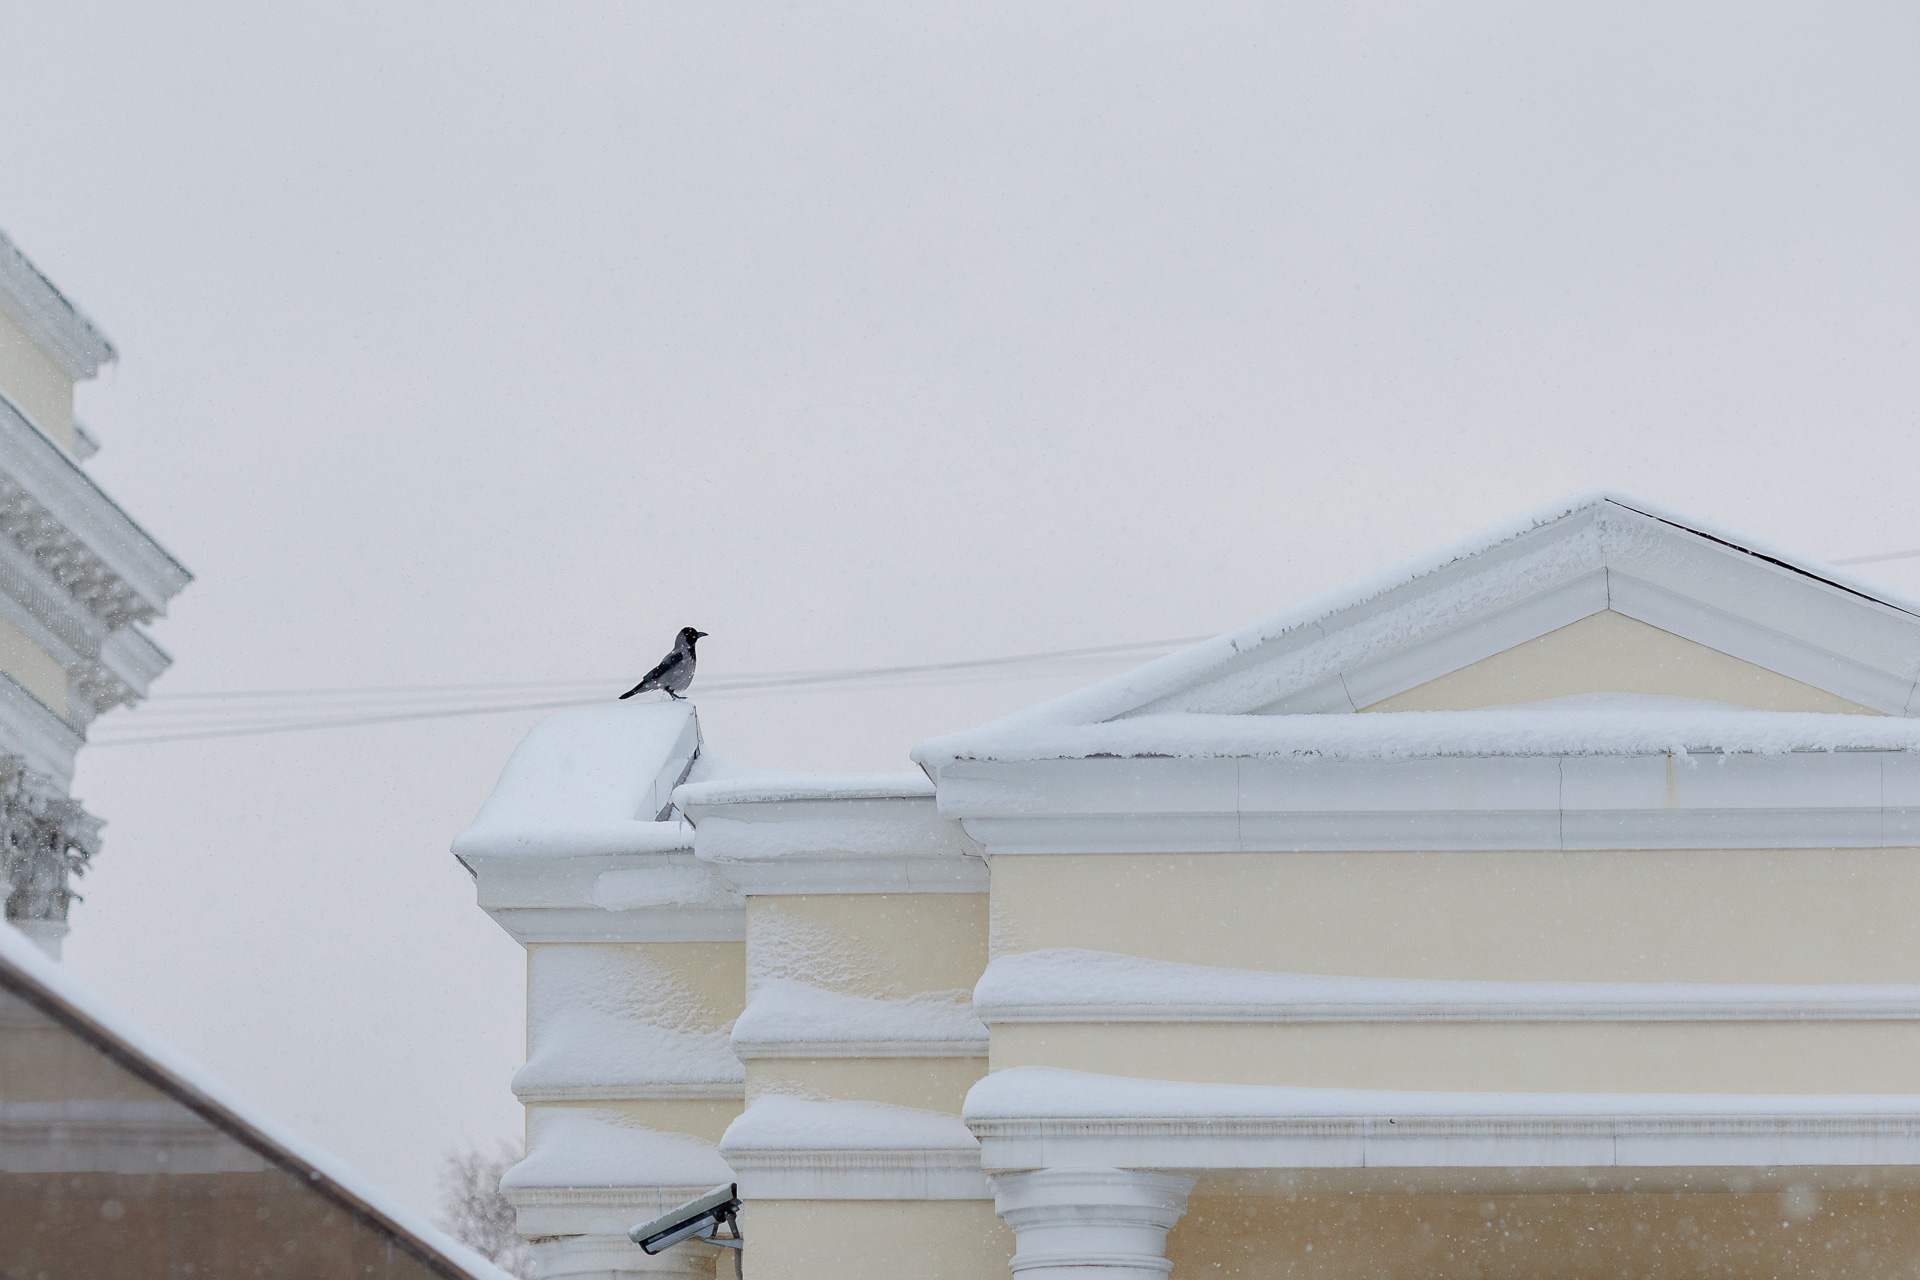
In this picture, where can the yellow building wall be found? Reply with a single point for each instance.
(869, 944)
(1795, 1234)
(33, 668)
(695, 985)
(35, 383)
(1609, 652)
(875, 1240)
(1662, 915)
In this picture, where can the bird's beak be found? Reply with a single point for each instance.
(699, 635)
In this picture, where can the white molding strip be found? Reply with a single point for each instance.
(1067, 985)
(1112, 1122)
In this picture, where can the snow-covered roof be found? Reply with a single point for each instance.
(1245, 691)
(28, 974)
(592, 780)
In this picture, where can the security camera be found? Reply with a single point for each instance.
(696, 1218)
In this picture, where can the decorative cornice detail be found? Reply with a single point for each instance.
(34, 303)
(53, 511)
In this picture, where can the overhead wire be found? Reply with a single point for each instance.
(202, 721)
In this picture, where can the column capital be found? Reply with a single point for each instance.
(1069, 1221)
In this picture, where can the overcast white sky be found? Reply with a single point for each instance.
(480, 343)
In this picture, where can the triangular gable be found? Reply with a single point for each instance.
(1359, 646)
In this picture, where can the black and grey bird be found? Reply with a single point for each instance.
(675, 671)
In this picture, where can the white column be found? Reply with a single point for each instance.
(1091, 1224)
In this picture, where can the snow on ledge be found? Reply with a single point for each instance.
(1410, 735)
(784, 1012)
(768, 786)
(578, 1147)
(589, 781)
(1048, 1093)
(774, 1122)
(1069, 983)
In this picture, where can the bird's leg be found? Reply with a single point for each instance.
(676, 697)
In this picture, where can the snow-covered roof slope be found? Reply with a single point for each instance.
(40, 982)
(592, 780)
(1433, 614)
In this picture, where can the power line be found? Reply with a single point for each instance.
(206, 724)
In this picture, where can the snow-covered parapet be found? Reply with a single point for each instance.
(580, 842)
(773, 832)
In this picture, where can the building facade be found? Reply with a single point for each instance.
(1547, 906)
(78, 578)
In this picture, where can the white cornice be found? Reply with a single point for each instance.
(1109, 1122)
(60, 329)
(859, 1175)
(560, 898)
(1851, 799)
(855, 843)
(54, 511)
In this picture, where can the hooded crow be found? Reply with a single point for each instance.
(675, 671)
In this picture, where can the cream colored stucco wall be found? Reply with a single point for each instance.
(35, 383)
(869, 944)
(704, 1118)
(931, 1084)
(1771, 915)
(1577, 1057)
(1612, 653)
(33, 668)
(875, 1240)
(1792, 1235)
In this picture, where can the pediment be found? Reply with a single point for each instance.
(1601, 592)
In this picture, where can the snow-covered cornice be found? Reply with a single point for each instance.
(830, 833)
(60, 329)
(54, 512)
(1801, 799)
